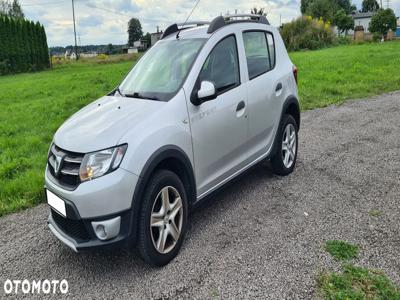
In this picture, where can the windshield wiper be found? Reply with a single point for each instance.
(140, 96)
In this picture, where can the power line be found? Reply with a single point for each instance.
(126, 15)
(191, 12)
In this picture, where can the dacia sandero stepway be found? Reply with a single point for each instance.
(205, 103)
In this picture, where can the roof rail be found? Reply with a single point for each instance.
(222, 21)
(175, 27)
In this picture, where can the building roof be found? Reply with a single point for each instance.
(363, 15)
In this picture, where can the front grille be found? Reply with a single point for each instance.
(74, 228)
(64, 167)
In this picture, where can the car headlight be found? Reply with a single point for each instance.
(99, 163)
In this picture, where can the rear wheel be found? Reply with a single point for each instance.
(163, 218)
(284, 160)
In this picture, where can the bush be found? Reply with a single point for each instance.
(102, 56)
(382, 22)
(306, 33)
(344, 40)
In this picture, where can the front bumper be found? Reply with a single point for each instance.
(102, 196)
(79, 234)
(98, 200)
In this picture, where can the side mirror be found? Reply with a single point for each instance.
(206, 92)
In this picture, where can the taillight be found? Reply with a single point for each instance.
(295, 73)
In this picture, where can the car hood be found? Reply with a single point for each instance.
(102, 123)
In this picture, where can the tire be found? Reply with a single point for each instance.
(280, 163)
(167, 220)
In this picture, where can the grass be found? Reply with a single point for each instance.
(353, 282)
(333, 75)
(375, 213)
(33, 106)
(357, 283)
(341, 250)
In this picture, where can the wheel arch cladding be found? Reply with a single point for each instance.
(170, 158)
(292, 107)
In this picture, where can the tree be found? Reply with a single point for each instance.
(110, 49)
(325, 9)
(15, 10)
(304, 4)
(135, 32)
(147, 38)
(382, 22)
(260, 11)
(343, 21)
(4, 7)
(369, 6)
(44, 47)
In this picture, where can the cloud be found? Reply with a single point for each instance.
(105, 21)
(90, 21)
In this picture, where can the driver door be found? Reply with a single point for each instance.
(219, 126)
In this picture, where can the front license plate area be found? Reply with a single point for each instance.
(56, 203)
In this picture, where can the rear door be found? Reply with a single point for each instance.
(264, 90)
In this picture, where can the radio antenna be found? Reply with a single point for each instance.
(194, 7)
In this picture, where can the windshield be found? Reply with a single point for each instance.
(161, 72)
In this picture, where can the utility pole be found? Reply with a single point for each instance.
(73, 16)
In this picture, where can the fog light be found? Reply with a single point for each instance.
(108, 229)
(101, 232)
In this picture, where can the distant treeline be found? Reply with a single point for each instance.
(106, 49)
(23, 46)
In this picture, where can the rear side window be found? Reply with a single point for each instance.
(260, 52)
(222, 65)
(271, 48)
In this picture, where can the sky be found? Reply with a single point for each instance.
(105, 21)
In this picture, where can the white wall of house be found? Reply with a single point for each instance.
(133, 50)
(88, 54)
(364, 22)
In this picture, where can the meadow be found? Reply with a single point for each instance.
(34, 105)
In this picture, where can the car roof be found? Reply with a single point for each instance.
(191, 33)
(206, 30)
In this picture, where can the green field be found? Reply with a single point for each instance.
(33, 106)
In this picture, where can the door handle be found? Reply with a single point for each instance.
(240, 106)
(278, 87)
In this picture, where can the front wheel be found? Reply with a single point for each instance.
(284, 159)
(163, 218)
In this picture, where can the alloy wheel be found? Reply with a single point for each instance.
(166, 219)
(289, 144)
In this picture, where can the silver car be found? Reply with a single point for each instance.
(204, 104)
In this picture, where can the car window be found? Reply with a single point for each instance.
(222, 65)
(257, 53)
(271, 48)
(163, 69)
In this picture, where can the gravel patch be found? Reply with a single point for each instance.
(262, 236)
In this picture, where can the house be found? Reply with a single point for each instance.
(398, 28)
(156, 36)
(363, 20)
(140, 45)
(70, 54)
(89, 54)
(130, 50)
